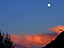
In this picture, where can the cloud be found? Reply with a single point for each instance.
(33, 40)
(57, 29)
(36, 40)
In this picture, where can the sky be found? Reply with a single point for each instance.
(30, 16)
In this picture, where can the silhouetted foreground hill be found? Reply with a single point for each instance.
(57, 43)
(5, 41)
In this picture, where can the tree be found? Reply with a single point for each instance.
(5, 41)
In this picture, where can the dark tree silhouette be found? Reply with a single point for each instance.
(5, 41)
(57, 43)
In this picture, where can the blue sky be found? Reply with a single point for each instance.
(30, 15)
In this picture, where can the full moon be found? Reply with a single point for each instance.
(48, 5)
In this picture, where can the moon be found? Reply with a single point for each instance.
(49, 5)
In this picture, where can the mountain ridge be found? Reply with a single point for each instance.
(57, 43)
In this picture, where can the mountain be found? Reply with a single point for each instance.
(57, 43)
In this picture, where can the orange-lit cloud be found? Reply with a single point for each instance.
(32, 40)
(35, 39)
(57, 29)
